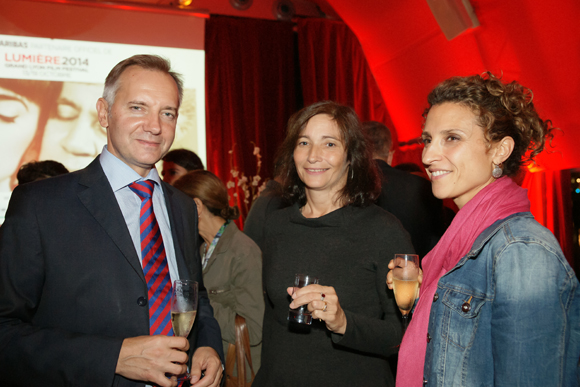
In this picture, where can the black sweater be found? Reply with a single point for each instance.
(348, 249)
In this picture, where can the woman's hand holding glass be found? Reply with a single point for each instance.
(390, 281)
(323, 303)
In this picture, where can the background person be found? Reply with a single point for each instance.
(499, 304)
(404, 195)
(75, 305)
(331, 231)
(232, 262)
(38, 170)
(177, 163)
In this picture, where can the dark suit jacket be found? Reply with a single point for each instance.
(71, 284)
(410, 199)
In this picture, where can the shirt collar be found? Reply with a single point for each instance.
(120, 174)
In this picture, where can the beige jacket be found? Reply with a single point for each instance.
(233, 279)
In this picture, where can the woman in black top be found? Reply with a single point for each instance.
(330, 230)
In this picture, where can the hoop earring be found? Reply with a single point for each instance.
(497, 171)
(351, 172)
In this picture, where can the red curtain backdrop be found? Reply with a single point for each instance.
(250, 94)
(333, 67)
(251, 77)
(550, 194)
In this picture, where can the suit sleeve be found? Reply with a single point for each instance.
(40, 354)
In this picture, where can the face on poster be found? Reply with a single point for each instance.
(48, 94)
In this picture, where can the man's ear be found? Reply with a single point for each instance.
(503, 150)
(390, 158)
(103, 112)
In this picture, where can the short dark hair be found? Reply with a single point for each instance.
(184, 158)
(147, 62)
(502, 109)
(212, 192)
(362, 185)
(379, 137)
(38, 170)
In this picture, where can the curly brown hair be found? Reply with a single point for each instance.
(363, 185)
(503, 109)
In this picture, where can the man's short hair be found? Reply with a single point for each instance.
(184, 158)
(147, 62)
(379, 137)
(38, 170)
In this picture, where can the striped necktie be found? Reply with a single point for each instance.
(154, 262)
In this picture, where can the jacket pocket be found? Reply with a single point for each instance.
(462, 317)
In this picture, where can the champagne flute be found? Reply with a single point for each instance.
(406, 283)
(183, 311)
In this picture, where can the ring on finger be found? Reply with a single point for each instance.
(322, 295)
(325, 306)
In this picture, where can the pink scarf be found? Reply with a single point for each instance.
(496, 201)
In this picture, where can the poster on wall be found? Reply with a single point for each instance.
(48, 94)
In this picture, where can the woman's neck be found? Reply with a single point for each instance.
(209, 225)
(320, 203)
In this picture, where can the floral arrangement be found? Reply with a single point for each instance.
(248, 186)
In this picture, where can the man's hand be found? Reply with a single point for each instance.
(206, 359)
(149, 358)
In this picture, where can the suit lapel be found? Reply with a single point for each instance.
(99, 199)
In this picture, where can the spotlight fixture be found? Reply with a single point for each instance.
(242, 5)
(283, 10)
(184, 3)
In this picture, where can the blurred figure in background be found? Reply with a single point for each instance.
(38, 170)
(177, 163)
(405, 195)
(73, 134)
(232, 262)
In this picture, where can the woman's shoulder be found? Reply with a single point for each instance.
(375, 215)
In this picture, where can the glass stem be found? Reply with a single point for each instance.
(405, 322)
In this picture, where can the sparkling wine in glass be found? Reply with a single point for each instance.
(405, 283)
(183, 310)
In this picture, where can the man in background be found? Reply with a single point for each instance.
(407, 196)
(87, 259)
(38, 170)
(177, 163)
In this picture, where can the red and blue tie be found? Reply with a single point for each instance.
(155, 265)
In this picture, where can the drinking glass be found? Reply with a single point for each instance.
(301, 314)
(183, 311)
(405, 283)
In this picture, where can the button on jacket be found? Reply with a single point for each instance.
(508, 314)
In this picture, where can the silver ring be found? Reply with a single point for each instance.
(325, 306)
(322, 295)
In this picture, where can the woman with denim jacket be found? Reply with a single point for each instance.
(499, 305)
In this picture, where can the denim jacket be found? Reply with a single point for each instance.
(508, 314)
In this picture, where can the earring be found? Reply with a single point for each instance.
(497, 171)
(351, 172)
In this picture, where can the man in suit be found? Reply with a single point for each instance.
(407, 196)
(75, 306)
